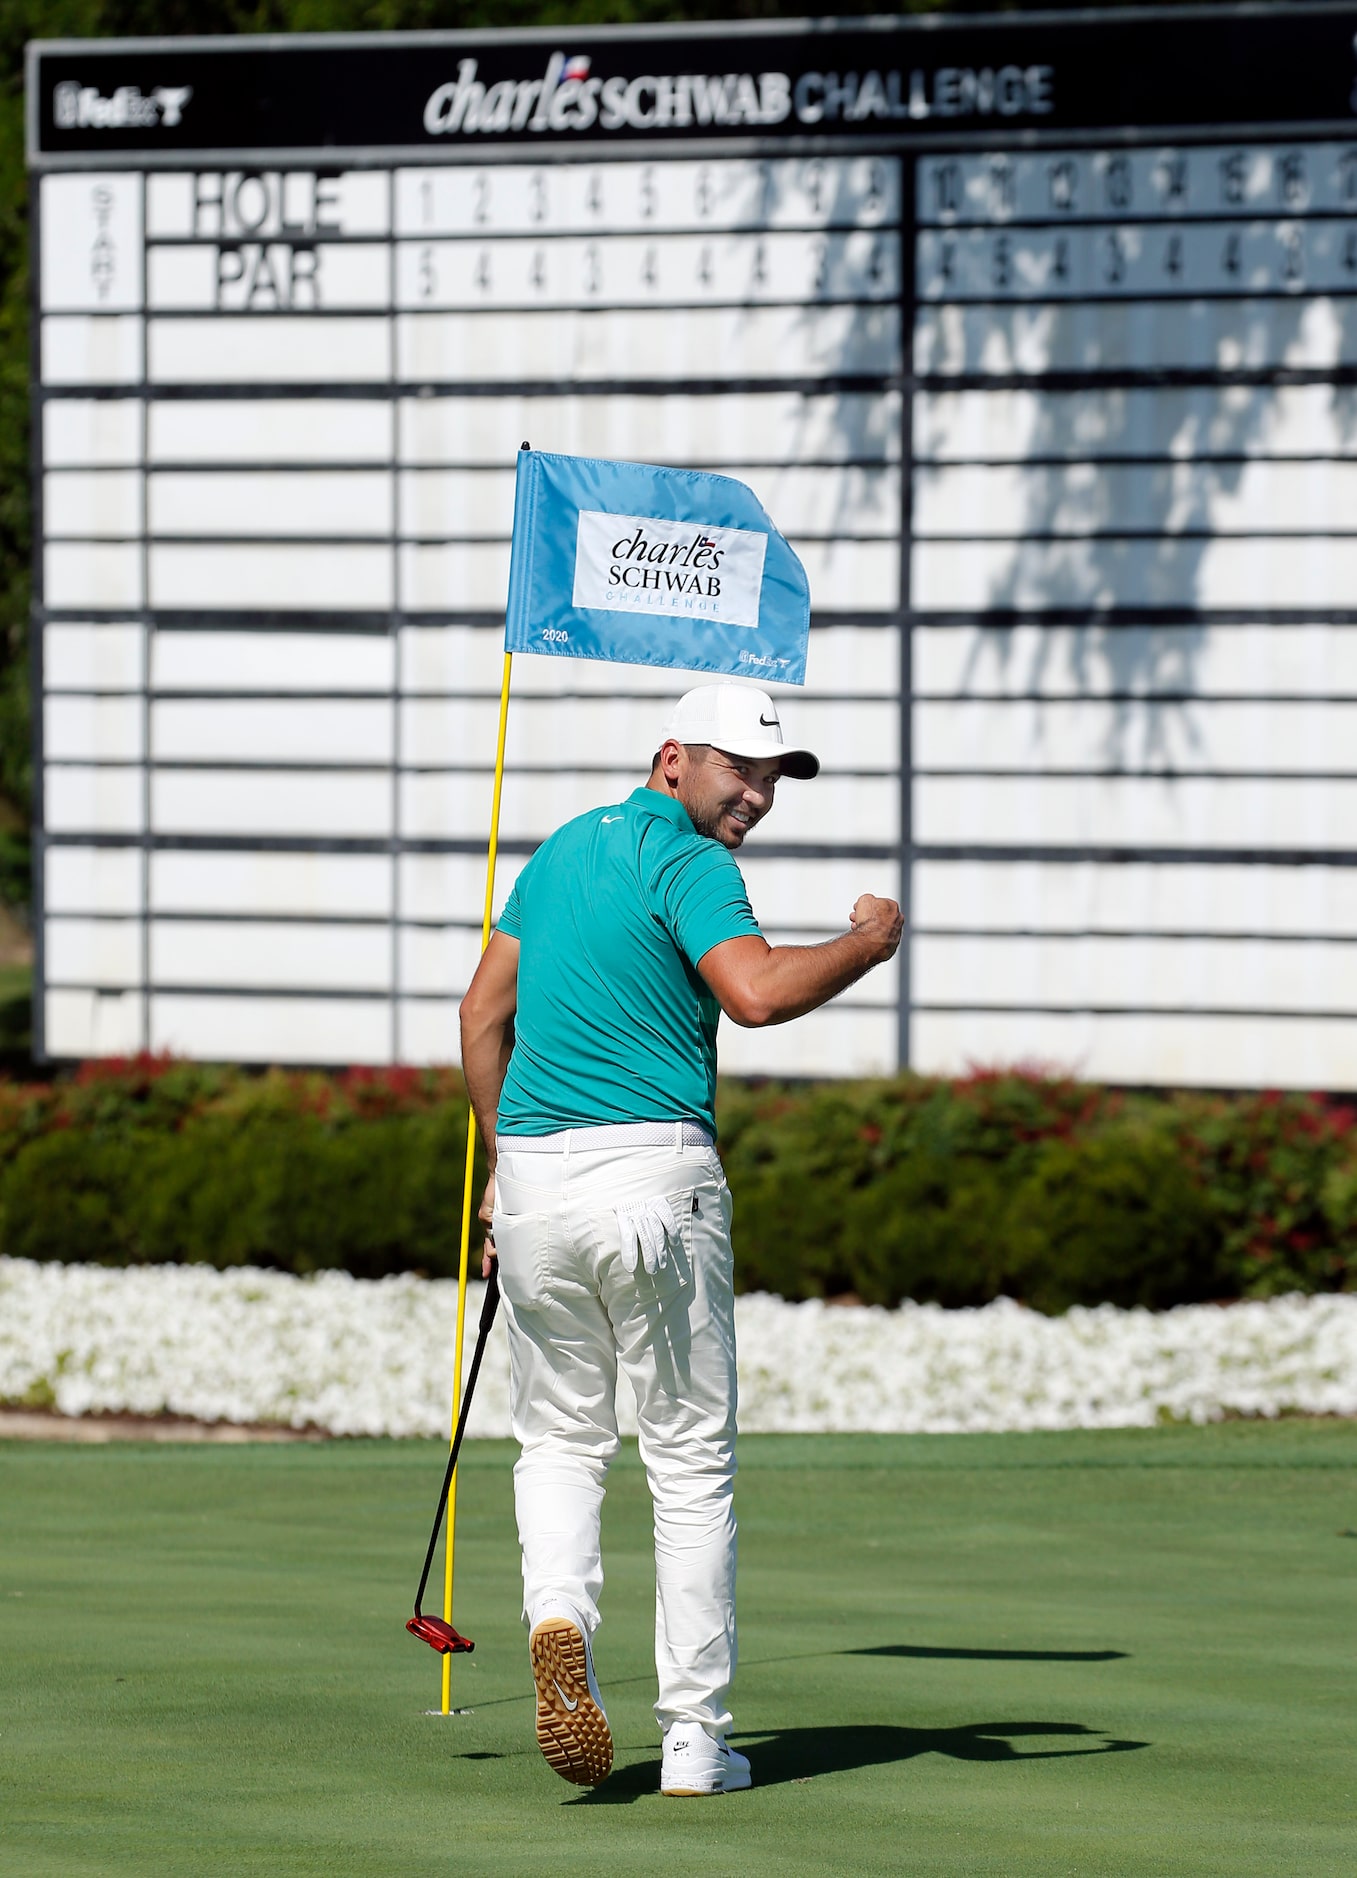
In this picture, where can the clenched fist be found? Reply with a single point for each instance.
(880, 921)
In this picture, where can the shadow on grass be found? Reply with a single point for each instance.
(991, 1656)
(925, 1650)
(789, 1754)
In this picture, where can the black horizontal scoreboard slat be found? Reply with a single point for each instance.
(1038, 337)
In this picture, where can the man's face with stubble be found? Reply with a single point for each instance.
(725, 795)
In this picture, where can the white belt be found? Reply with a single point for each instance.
(611, 1135)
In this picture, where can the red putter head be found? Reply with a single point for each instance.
(438, 1635)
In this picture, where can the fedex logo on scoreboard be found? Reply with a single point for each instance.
(84, 107)
(570, 96)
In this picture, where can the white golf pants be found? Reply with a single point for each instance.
(574, 1314)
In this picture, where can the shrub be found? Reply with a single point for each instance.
(151, 1162)
(1042, 1189)
(1046, 1190)
(1113, 1220)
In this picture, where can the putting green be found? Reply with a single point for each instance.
(1122, 1654)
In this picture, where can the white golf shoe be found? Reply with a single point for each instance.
(572, 1730)
(696, 1763)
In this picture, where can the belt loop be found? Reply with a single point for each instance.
(678, 1138)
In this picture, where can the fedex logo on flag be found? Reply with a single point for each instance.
(640, 564)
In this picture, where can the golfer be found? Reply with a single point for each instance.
(589, 1048)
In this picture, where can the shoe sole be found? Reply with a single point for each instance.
(701, 1793)
(705, 1793)
(576, 1741)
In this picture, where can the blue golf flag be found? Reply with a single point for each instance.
(650, 566)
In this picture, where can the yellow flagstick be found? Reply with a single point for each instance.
(468, 1189)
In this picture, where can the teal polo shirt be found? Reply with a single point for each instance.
(614, 1022)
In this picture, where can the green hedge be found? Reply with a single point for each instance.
(1054, 1192)
(158, 1162)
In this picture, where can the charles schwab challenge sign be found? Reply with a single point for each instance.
(639, 564)
(897, 82)
(571, 96)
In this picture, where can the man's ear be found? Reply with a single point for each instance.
(672, 754)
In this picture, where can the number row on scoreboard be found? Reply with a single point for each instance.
(1137, 261)
(92, 226)
(1078, 185)
(470, 199)
(274, 277)
(822, 192)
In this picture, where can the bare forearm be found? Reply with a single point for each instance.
(758, 984)
(791, 980)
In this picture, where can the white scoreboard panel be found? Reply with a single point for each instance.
(1134, 572)
(1059, 412)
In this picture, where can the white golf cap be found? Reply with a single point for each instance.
(740, 720)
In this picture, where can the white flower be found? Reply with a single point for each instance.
(361, 1358)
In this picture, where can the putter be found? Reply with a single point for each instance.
(436, 1631)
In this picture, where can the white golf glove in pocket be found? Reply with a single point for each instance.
(649, 1224)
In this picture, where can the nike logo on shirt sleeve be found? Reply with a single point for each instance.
(612, 818)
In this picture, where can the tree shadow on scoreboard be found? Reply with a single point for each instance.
(847, 334)
(1117, 514)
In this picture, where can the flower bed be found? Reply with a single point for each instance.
(357, 1357)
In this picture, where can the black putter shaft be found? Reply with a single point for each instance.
(488, 1309)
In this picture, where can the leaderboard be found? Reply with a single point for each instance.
(1043, 358)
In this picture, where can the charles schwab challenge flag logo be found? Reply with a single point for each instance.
(638, 564)
(650, 566)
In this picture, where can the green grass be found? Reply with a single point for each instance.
(1121, 1654)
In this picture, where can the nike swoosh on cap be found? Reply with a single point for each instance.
(769, 723)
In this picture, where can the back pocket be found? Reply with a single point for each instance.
(676, 1274)
(523, 1242)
